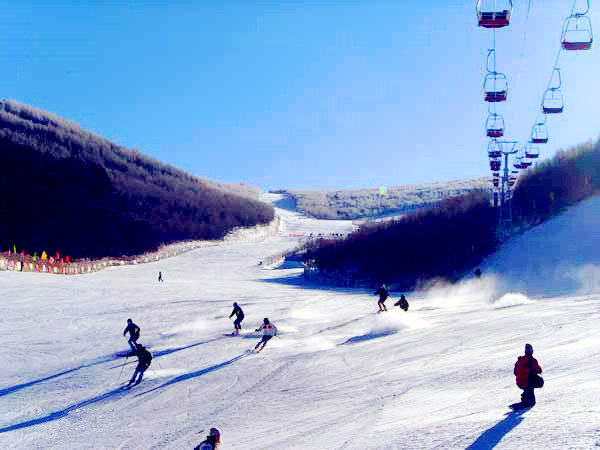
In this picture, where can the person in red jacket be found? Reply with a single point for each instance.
(527, 372)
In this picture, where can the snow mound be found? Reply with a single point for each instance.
(512, 299)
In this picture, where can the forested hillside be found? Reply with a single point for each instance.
(453, 238)
(65, 189)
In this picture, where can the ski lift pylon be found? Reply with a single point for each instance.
(494, 13)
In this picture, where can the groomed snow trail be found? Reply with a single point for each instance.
(338, 376)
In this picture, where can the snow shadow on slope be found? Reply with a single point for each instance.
(197, 373)
(492, 436)
(18, 387)
(64, 412)
(388, 323)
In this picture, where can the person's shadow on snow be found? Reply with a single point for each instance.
(492, 436)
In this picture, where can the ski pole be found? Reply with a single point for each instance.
(122, 367)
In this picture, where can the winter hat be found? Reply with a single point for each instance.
(528, 349)
(266, 321)
(234, 304)
(129, 320)
(216, 433)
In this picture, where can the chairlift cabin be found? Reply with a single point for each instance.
(539, 133)
(552, 102)
(495, 164)
(494, 125)
(577, 33)
(494, 149)
(495, 87)
(494, 13)
(531, 151)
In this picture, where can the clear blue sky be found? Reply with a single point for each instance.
(319, 94)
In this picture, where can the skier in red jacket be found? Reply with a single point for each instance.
(526, 371)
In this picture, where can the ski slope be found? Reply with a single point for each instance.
(338, 376)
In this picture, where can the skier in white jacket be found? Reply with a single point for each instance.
(269, 330)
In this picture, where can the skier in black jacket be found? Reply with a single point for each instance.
(239, 316)
(144, 360)
(383, 295)
(402, 303)
(134, 334)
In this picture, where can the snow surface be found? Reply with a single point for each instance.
(339, 376)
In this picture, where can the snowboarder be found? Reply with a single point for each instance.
(527, 378)
(269, 330)
(144, 359)
(383, 295)
(134, 334)
(239, 316)
(211, 442)
(160, 276)
(402, 303)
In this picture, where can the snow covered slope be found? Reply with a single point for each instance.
(338, 376)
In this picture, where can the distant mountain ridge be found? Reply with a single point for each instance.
(66, 189)
(346, 204)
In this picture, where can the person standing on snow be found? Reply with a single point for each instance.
(134, 334)
(402, 303)
(383, 295)
(211, 442)
(239, 316)
(527, 378)
(144, 360)
(160, 276)
(269, 330)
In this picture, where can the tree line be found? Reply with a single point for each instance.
(450, 240)
(65, 189)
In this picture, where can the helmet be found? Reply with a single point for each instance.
(129, 320)
(265, 320)
(234, 304)
(528, 349)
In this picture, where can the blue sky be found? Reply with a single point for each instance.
(297, 94)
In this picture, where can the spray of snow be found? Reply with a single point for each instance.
(588, 278)
(200, 324)
(512, 299)
(472, 291)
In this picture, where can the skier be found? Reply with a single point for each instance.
(527, 378)
(134, 334)
(160, 276)
(269, 330)
(211, 442)
(383, 295)
(478, 272)
(239, 316)
(144, 359)
(402, 303)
